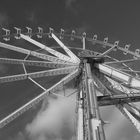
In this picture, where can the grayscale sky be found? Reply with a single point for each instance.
(117, 19)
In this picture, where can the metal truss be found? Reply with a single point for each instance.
(90, 70)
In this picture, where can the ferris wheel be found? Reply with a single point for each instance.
(93, 66)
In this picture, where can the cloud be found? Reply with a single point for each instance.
(55, 120)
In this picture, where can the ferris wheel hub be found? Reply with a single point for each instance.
(92, 59)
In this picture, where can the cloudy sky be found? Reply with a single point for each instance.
(117, 19)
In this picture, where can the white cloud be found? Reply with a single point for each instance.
(56, 121)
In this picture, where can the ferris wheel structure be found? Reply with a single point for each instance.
(101, 79)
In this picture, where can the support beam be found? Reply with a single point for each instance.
(39, 74)
(48, 49)
(117, 99)
(32, 53)
(80, 122)
(119, 75)
(35, 63)
(122, 61)
(68, 51)
(96, 131)
(37, 99)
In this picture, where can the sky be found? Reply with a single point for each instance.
(117, 19)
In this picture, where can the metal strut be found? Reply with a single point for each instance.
(37, 99)
(35, 63)
(119, 75)
(80, 122)
(32, 53)
(39, 74)
(95, 125)
(68, 51)
(42, 46)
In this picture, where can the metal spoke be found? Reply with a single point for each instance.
(68, 51)
(42, 46)
(122, 61)
(32, 53)
(108, 51)
(118, 99)
(134, 71)
(120, 87)
(101, 87)
(119, 75)
(37, 99)
(35, 63)
(32, 80)
(37, 83)
(53, 72)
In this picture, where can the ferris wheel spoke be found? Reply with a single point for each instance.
(120, 87)
(108, 51)
(37, 99)
(126, 70)
(32, 80)
(36, 83)
(122, 61)
(101, 87)
(118, 99)
(68, 51)
(119, 75)
(37, 74)
(34, 63)
(32, 53)
(42, 46)
(131, 113)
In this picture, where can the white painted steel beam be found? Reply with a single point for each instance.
(122, 61)
(39, 74)
(122, 88)
(44, 47)
(29, 52)
(95, 123)
(73, 57)
(119, 75)
(37, 99)
(80, 122)
(35, 63)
